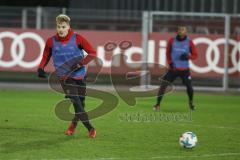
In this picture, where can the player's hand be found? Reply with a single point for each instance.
(171, 66)
(184, 57)
(76, 67)
(41, 73)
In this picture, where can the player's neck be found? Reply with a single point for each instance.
(66, 38)
(181, 38)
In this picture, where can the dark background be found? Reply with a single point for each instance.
(217, 6)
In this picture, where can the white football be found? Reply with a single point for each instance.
(188, 140)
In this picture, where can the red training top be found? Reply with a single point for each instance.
(81, 42)
(193, 51)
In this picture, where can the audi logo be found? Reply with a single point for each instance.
(212, 64)
(17, 49)
(211, 53)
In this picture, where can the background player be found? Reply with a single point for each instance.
(180, 49)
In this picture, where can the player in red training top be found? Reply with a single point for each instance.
(180, 50)
(66, 49)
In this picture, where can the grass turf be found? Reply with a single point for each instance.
(29, 129)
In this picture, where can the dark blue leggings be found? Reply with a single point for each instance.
(75, 90)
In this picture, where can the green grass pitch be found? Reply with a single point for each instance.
(29, 129)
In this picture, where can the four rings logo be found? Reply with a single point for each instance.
(18, 49)
(213, 54)
(213, 48)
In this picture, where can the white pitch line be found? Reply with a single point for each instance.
(172, 157)
(218, 127)
(185, 124)
(197, 156)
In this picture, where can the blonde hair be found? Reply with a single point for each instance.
(63, 18)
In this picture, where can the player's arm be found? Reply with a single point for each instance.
(87, 47)
(168, 53)
(193, 51)
(47, 53)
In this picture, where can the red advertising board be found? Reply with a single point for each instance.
(21, 50)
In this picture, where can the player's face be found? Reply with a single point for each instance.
(182, 31)
(62, 29)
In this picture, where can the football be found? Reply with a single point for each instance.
(188, 140)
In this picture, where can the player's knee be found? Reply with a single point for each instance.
(189, 87)
(74, 99)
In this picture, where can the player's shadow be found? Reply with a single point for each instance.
(13, 146)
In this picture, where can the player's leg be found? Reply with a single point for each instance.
(187, 81)
(82, 99)
(67, 86)
(83, 116)
(166, 80)
(82, 91)
(71, 87)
